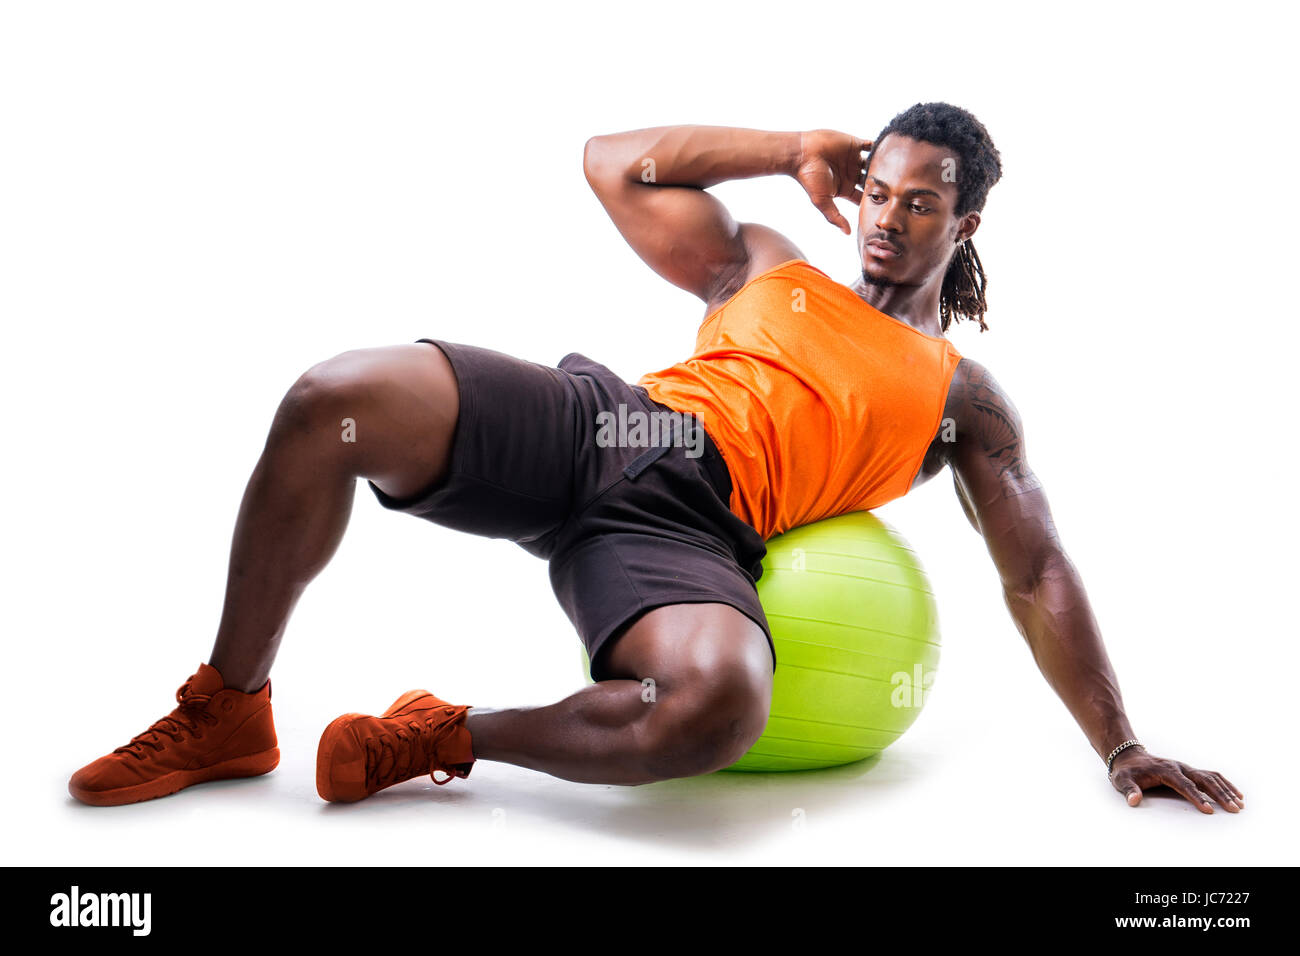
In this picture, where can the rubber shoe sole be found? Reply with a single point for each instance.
(253, 765)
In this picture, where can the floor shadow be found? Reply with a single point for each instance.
(703, 813)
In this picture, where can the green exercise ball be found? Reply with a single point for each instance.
(856, 631)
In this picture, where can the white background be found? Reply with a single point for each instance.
(202, 200)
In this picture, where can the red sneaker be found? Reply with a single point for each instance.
(420, 734)
(214, 733)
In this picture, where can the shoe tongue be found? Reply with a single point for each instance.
(207, 681)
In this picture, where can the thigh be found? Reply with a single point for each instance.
(386, 414)
(609, 582)
(677, 640)
(511, 462)
(395, 410)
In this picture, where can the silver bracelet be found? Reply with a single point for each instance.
(1110, 761)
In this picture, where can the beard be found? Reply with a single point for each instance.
(878, 281)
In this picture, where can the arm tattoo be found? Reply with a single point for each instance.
(995, 423)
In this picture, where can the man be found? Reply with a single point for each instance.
(814, 399)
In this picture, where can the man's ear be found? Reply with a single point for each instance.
(967, 225)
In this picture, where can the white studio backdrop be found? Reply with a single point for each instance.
(199, 201)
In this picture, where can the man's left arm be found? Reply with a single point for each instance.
(1006, 504)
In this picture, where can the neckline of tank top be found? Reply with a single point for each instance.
(790, 262)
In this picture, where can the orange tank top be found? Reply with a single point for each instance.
(819, 403)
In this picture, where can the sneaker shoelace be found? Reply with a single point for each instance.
(191, 712)
(403, 753)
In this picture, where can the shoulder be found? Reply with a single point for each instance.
(980, 405)
(990, 436)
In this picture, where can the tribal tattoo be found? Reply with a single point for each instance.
(995, 423)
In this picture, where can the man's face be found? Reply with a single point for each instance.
(907, 222)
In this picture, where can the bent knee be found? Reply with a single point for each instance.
(401, 382)
(700, 731)
(325, 390)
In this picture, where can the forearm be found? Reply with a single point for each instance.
(699, 156)
(1057, 622)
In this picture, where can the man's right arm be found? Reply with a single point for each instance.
(653, 184)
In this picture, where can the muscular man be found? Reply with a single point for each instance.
(803, 399)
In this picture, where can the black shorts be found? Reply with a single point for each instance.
(625, 527)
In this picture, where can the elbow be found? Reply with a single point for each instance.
(607, 160)
(595, 159)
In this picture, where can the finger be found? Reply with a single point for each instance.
(833, 216)
(859, 161)
(1218, 779)
(1240, 797)
(1188, 788)
(1125, 784)
(1211, 784)
(852, 180)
